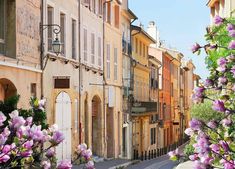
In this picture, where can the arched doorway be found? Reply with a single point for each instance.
(63, 120)
(96, 126)
(7, 89)
(86, 115)
(110, 132)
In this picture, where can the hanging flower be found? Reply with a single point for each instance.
(218, 105)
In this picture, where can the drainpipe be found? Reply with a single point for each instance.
(41, 47)
(80, 71)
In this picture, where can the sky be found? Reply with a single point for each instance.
(181, 23)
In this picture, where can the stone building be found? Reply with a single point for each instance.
(113, 78)
(223, 8)
(91, 76)
(143, 107)
(20, 69)
(61, 73)
(127, 17)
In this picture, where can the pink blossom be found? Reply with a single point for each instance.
(189, 132)
(218, 105)
(232, 45)
(46, 164)
(81, 148)
(57, 137)
(90, 165)
(17, 121)
(50, 153)
(195, 47)
(6, 149)
(29, 121)
(87, 154)
(3, 139)
(4, 158)
(65, 164)
(218, 20)
(2, 118)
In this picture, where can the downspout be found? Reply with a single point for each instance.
(80, 71)
(41, 47)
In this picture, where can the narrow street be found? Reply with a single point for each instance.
(160, 163)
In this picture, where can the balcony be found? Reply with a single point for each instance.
(144, 108)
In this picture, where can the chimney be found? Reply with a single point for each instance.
(154, 33)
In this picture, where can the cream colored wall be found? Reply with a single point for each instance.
(25, 69)
(92, 83)
(22, 79)
(58, 67)
(113, 36)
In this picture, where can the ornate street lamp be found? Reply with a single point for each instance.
(56, 44)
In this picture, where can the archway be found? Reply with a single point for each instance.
(63, 120)
(110, 132)
(96, 126)
(7, 89)
(86, 115)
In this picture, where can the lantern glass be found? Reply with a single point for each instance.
(56, 45)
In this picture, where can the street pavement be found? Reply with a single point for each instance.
(162, 162)
(105, 164)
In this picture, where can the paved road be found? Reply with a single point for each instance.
(162, 162)
(159, 163)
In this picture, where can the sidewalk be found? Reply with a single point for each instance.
(110, 164)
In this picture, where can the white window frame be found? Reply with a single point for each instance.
(74, 39)
(63, 34)
(99, 51)
(50, 29)
(93, 48)
(2, 41)
(85, 44)
(108, 48)
(115, 63)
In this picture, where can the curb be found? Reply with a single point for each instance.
(125, 165)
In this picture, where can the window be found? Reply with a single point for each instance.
(33, 89)
(93, 9)
(136, 45)
(93, 48)
(73, 39)
(115, 64)
(50, 29)
(108, 61)
(85, 44)
(99, 51)
(108, 12)
(144, 54)
(153, 136)
(8, 20)
(2, 25)
(100, 9)
(140, 48)
(62, 33)
(116, 13)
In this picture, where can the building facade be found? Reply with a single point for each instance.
(127, 17)
(91, 76)
(60, 84)
(113, 78)
(19, 53)
(223, 8)
(143, 136)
